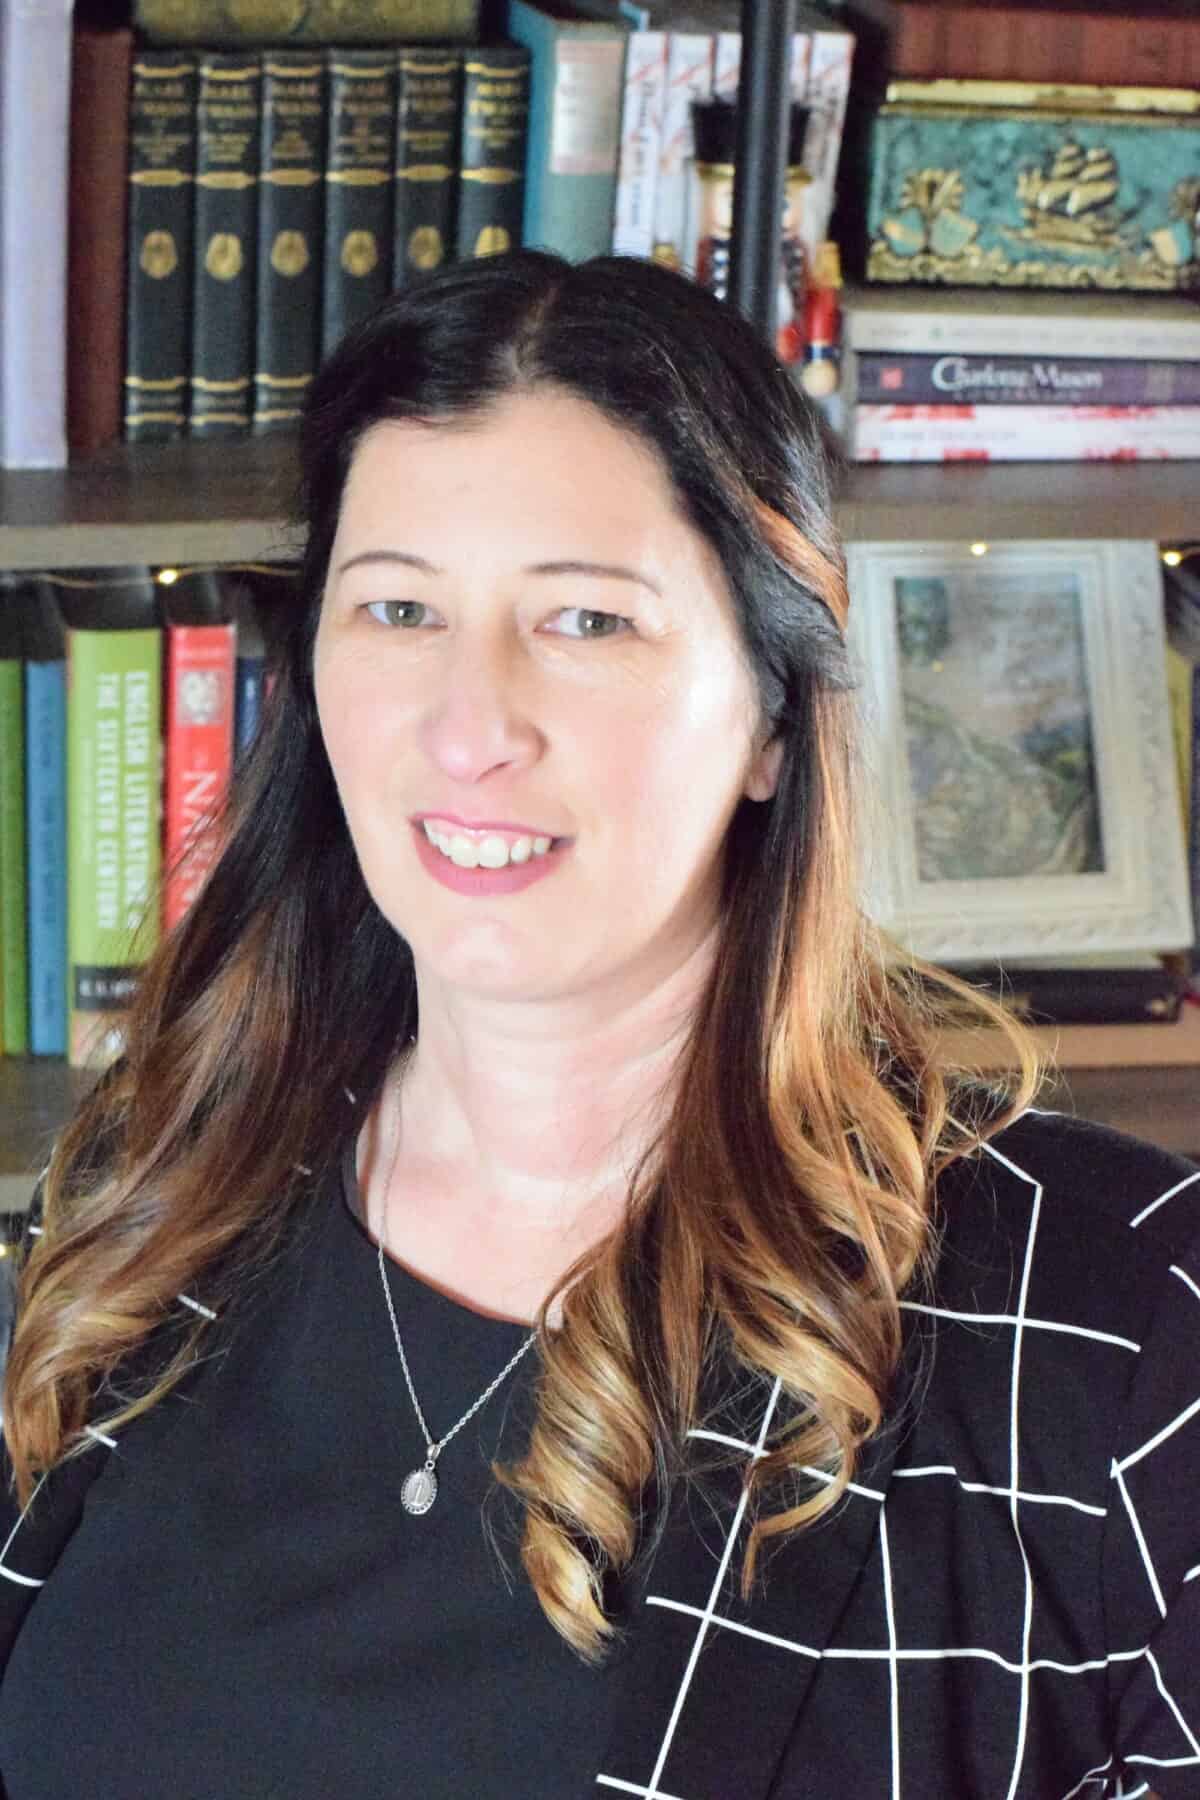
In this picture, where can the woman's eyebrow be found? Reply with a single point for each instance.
(602, 571)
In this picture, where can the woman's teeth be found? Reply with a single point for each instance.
(488, 852)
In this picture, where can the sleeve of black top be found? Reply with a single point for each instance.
(1152, 1557)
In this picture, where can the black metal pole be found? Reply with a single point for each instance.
(764, 104)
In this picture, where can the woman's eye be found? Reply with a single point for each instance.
(395, 612)
(594, 624)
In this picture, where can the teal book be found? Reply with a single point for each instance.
(159, 247)
(428, 122)
(577, 69)
(495, 138)
(226, 238)
(290, 213)
(14, 1017)
(359, 188)
(114, 799)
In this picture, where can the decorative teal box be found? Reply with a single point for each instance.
(1003, 184)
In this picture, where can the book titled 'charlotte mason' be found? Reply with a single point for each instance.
(114, 675)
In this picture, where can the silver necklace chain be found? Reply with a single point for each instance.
(420, 1489)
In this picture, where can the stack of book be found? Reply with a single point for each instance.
(1042, 340)
(975, 375)
(125, 699)
(277, 196)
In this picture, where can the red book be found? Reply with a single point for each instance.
(198, 714)
(1109, 44)
(99, 152)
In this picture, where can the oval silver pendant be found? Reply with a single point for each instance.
(419, 1491)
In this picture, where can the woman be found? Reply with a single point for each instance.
(534, 1309)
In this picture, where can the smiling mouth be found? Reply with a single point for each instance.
(489, 849)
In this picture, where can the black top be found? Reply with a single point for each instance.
(246, 1580)
(1005, 1606)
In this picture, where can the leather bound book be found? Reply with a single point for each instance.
(495, 133)
(290, 223)
(1068, 41)
(101, 64)
(428, 117)
(158, 289)
(223, 287)
(359, 160)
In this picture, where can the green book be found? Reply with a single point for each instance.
(290, 217)
(358, 188)
(428, 113)
(495, 133)
(114, 789)
(158, 277)
(14, 1018)
(223, 289)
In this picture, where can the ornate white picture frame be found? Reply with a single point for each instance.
(1022, 789)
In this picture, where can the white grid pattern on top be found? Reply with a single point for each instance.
(1100, 1779)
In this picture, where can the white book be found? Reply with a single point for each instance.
(727, 64)
(35, 91)
(1007, 322)
(641, 134)
(689, 77)
(908, 434)
(827, 95)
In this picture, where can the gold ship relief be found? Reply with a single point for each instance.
(1070, 202)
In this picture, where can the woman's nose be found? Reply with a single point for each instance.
(480, 710)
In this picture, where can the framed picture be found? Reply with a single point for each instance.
(1024, 792)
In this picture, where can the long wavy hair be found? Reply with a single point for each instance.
(785, 1203)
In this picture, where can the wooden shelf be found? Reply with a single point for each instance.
(976, 501)
(231, 502)
(152, 503)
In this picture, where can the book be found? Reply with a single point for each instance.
(289, 258)
(359, 159)
(575, 88)
(981, 322)
(1069, 41)
(159, 238)
(198, 732)
(250, 662)
(827, 96)
(235, 23)
(14, 979)
(1116, 991)
(35, 82)
(228, 123)
(45, 815)
(101, 66)
(998, 433)
(1181, 601)
(114, 792)
(428, 126)
(689, 77)
(957, 377)
(642, 104)
(495, 135)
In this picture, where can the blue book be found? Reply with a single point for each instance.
(46, 818)
(577, 74)
(250, 664)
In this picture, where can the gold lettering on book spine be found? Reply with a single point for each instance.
(425, 247)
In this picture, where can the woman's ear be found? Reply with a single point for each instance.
(763, 775)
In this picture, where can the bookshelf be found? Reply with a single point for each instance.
(229, 502)
(195, 502)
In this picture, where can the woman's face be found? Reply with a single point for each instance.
(521, 632)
